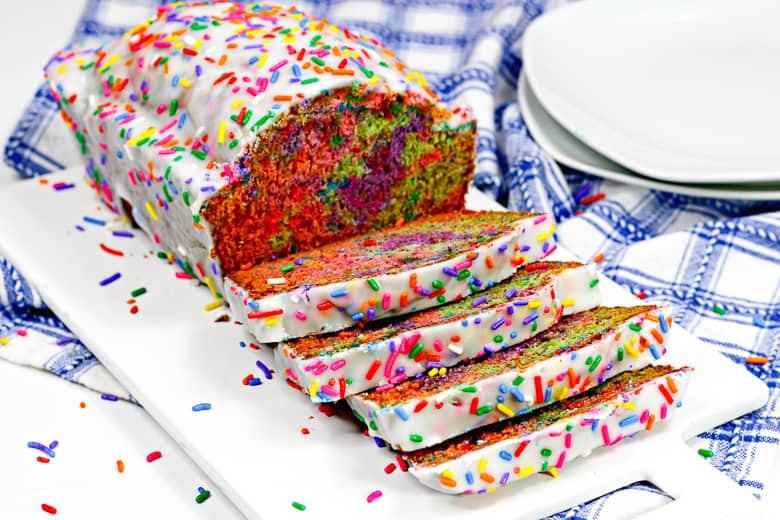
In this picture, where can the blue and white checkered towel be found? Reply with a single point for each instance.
(716, 261)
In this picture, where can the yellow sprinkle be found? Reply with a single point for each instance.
(442, 371)
(490, 489)
(552, 228)
(178, 45)
(297, 16)
(269, 322)
(534, 304)
(504, 409)
(150, 209)
(447, 473)
(373, 79)
(631, 405)
(213, 305)
(210, 285)
(553, 472)
(561, 392)
(315, 386)
(542, 237)
(113, 59)
(237, 103)
(568, 302)
(197, 44)
(432, 372)
(4, 341)
(633, 340)
(184, 82)
(61, 69)
(289, 39)
(482, 465)
(524, 472)
(262, 60)
(631, 350)
(333, 28)
(221, 135)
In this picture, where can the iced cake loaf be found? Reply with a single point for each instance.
(421, 264)
(233, 133)
(329, 367)
(578, 353)
(545, 440)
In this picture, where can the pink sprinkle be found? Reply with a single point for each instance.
(437, 345)
(383, 388)
(156, 238)
(561, 460)
(567, 441)
(605, 434)
(540, 219)
(183, 275)
(132, 177)
(161, 108)
(664, 409)
(389, 364)
(21, 332)
(386, 301)
(549, 252)
(463, 265)
(291, 374)
(329, 390)
(338, 364)
(644, 417)
(162, 44)
(320, 369)
(373, 496)
(278, 66)
(300, 315)
(397, 379)
(153, 456)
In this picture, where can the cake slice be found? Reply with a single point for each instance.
(544, 440)
(576, 354)
(232, 133)
(330, 367)
(418, 265)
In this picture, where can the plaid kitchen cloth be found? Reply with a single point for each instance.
(716, 261)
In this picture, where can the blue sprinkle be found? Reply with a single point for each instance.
(254, 381)
(96, 221)
(54, 444)
(63, 341)
(525, 248)
(200, 489)
(119, 154)
(379, 442)
(242, 344)
(358, 316)
(80, 228)
(662, 323)
(500, 398)
(520, 303)
(182, 120)
(400, 412)
(505, 455)
(758, 321)
(547, 394)
(296, 70)
(654, 352)
(275, 76)
(513, 335)
(582, 192)
(254, 305)
(502, 388)
(253, 60)
(265, 369)
(38, 446)
(464, 323)
(109, 397)
(201, 406)
(469, 478)
(517, 394)
(338, 293)
(631, 419)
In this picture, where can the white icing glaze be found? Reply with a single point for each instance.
(133, 149)
(451, 410)
(576, 436)
(532, 235)
(572, 286)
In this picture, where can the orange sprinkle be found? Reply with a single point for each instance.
(650, 422)
(120, 466)
(651, 317)
(282, 98)
(489, 262)
(43, 181)
(471, 255)
(404, 299)
(487, 477)
(671, 385)
(413, 280)
(598, 258)
(82, 404)
(399, 222)
(657, 335)
(221, 62)
(447, 481)
(130, 301)
(756, 360)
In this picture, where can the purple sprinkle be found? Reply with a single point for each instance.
(63, 341)
(510, 310)
(496, 324)
(123, 234)
(479, 301)
(54, 444)
(532, 317)
(109, 397)
(38, 446)
(392, 346)
(511, 293)
(449, 271)
(520, 303)
(525, 248)
(111, 279)
(477, 320)
(505, 478)
(545, 247)
(198, 70)
(298, 261)
(582, 192)
(476, 282)
(96, 221)
(265, 369)
(80, 228)
(63, 186)
(502, 248)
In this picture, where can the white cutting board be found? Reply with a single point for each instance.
(172, 354)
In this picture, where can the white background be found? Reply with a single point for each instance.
(82, 482)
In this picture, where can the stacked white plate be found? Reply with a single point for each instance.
(677, 95)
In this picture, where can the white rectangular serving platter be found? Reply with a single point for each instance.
(172, 354)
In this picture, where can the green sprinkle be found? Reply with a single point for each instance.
(141, 290)
(706, 453)
(482, 410)
(233, 144)
(595, 363)
(437, 284)
(634, 327)
(144, 141)
(534, 326)
(373, 284)
(546, 452)
(318, 61)
(200, 154)
(594, 282)
(314, 41)
(358, 416)
(172, 110)
(365, 71)
(441, 299)
(416, 350)
(620, 353)
(372, 425)
(717, 309)
(518, 380)
(336, 140)
(473, 287)
(310, 80)
(469, 389)
(416, 437)
(287, 268)
(186, 197)
(196, 219)
(299, 506)
(162, 255)
(203, 496)
(348, 380)
(498, 339)
(544, 466)
(463, 274)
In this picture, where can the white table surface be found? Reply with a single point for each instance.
(38, 406)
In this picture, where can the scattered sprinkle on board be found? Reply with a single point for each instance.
(49, 509)
(705, 453)
(299, 506)
(717, 309)
(756, 360)
(203, 496)
(201, 407)
(111, 279)
(120, 466)
(153, 456)
(373, 496)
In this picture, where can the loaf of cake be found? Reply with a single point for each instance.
(233, 133)
(332, 366)
(576, 354)
(545, 440)
(424, 263)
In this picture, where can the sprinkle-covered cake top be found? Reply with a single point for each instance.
(525, 279)
(559, 411)
(571, 333)
(409, 246)
(182, 94)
